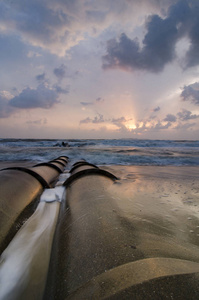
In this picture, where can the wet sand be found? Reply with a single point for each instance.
(9, 164)
(163, 205)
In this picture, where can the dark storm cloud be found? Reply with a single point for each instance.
(186, 115)
(42, 97)
(60, 72)
(170, 118)
(159, 42)
(191, 93)
(5, 109)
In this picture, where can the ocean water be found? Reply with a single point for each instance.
(103, 151)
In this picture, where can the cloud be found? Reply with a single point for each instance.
(191, 93)
(60, 72)
(156, 109)
(119, 120)
(86, 121)
(61, 90)
(170, 118)
(186, 115)
(159, 42)
(159, 126)
(37, 122)
(5, 109)
(37, 21)
(98, 100)
(41, 77)
(97, 120)
(13, 48)
(185, 126)
(86, 103)
(62, 24)
(43, 97)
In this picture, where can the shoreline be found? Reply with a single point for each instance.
(151, 170)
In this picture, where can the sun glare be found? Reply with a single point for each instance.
(130, 125)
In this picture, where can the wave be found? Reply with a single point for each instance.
(115, 151)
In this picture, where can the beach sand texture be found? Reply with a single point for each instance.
(162, 204)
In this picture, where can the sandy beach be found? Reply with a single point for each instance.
(162, 203)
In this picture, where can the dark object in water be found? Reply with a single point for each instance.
(62, 144)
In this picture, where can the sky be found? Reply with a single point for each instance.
(99, 69)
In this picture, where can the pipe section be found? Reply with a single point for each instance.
(20, 189)
(24, 263)
(70, 259)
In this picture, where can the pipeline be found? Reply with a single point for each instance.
(95, 253)
(20, 189)
(87, 249)
(24, 263)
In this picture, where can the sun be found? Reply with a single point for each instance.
(130, 125)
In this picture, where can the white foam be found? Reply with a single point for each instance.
(56, 193)
(52, 195)
(21, 269)
(62, 178)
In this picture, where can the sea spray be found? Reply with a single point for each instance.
(24, 263)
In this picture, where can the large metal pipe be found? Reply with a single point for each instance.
(24, 263)
(20, 189)
(95, 253)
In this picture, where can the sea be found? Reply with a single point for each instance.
(141, 152)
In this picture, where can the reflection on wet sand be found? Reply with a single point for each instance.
(163, 205)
